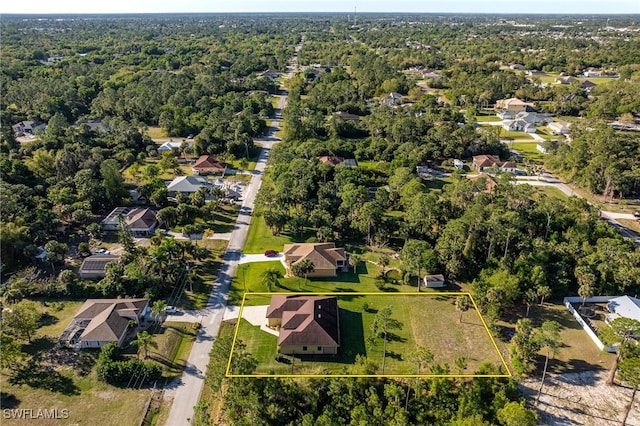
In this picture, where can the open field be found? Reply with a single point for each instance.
(207, 271)
(550, 191)
(260, 238)
(421, 317)
(514, 135)
(174, 341)
(487, 118)
(528, 150)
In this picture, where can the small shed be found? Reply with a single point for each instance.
(434, 281)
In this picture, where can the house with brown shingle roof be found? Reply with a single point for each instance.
(326, 257)
(480, 162)
(308, 324)
(100, 321)
(140, 221)
(207, 164)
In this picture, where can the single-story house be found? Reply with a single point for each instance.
(510, 167)
(518, 126)
(427, 73)
(536, 73)
(347, 116)
(335, 161)
(170, 146)
(141, 221)
(593, 72)
(623, 306)
(392, 99)
(94, 267)
(508, 108)
(587, 85)
(517, 67)
(207, 164)
(187, 185)
(541, 148)
(566, 80)
(483, 183)
(559, 128)
(100, 321)
(434, 281)
(481, 162)
(533, 118)
(327, 259)
(308, 324)
(28, 127)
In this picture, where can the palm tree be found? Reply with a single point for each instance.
(143, 341)
(462, 304)
(543, 292)
(585, 291)
(381, 325)
(354, 260)
(158, 307)
(270, 278)
(548, 337)
(303, 268)
(530, 297)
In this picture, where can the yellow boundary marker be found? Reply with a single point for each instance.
(349, 294)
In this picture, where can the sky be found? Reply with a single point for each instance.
(347, 6)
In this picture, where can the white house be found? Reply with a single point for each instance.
(518, 126)
(559, 128)
(623, 306)
(170, 145)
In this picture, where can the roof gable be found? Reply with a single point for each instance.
(315, 322)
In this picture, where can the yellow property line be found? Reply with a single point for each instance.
(348, 294)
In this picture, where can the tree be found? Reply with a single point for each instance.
(421, 356)
(516, 414)
(11, 352)
(302, 269)
(381, 326)
(22, 319)
(271, 277)
(55, 252)
(543, 292)
(530, 297)
(547, 336)
(354, 260)
(416, 255)
(143, 341)
(462, 304)
(630, 374)
(112, 181)
(585, 291)
(620, 330)
(158, 308)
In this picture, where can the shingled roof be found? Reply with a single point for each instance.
(323, 255)
(209, 163)
(306, 320)
(108, 318)
(139, 218)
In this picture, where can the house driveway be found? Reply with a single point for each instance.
(249, 258)
(256, 315)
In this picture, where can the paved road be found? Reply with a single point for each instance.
(187, 392)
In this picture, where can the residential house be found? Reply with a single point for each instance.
(623, 307)
(170, 146)
(141, 221)
(308, 325)
(559, 128)
(593, 72)
(187, 185)
(28, 128)
(540, 146)
(327, 259)
(483, 183)
(392, 99)
(587, 85)
(508, 108)
(434, 281)
(94, 267)
(536, 73)
(518, 125)
(95, 126)
(519, 67)
(510, 167)
(481, 162)
(100, 321)
(335, 161)
(427, 73)
(347, 116)
(269, 74)
(533, 118)
(566, 80)
(208, 164)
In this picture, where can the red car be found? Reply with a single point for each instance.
(271, 253)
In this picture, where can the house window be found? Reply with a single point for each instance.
(319, 348)
(304, 348)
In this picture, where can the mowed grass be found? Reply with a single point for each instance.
(260, 238)
(248, 279)
(427, 320)
(173, 344)
(514, 135)
(487, 118)
(528, 150)
(550, 191)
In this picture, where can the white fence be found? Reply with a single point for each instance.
(596, 299)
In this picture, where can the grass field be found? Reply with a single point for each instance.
(260, 238)
(421, 317)
(528, 150)
(514, 135)
(207, 271)
(550, 191)
(174, 341)
(487, 118)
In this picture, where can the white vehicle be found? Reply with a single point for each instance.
(170, 310)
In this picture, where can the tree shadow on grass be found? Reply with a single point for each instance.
(39, 345)
(43, 377)
(8, 401)
(351, 336)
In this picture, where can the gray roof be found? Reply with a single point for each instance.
(97, 263)
(108, 318)
(625, 306)
(187, 184)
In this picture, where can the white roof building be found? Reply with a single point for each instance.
(624, 306)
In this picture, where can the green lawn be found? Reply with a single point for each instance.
(260, 238)
(528, 150)
(174, 341)
(550, 191)
(421, 316)
(514, 135)
(487, 118)
(207, 272)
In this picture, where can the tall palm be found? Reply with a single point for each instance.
(270, 278)
(548, 336)
(144, 341)
(462, 304)
(158, 308)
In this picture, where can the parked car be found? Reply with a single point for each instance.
(636, 214)
(170, 310)
(271, 253)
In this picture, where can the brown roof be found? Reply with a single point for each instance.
(347, 116)
(486, 160)
(310, 320)
(108, 318)
(323, 255)
(509, 165)
(330, 159)
(434, 278)
(139, 218)
(209, 163)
